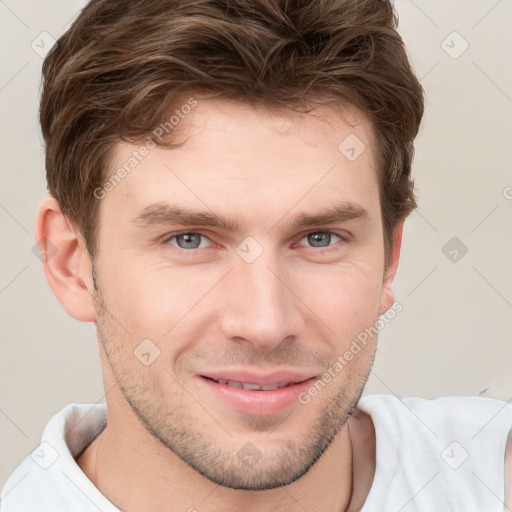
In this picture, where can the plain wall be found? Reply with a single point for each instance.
(452, 336)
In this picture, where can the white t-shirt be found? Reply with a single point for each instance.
(446, 454)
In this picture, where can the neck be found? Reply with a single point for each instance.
(137, 473)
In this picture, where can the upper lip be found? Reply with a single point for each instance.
(262, 379)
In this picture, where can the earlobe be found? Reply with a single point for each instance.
(66, 262)
(387, 295)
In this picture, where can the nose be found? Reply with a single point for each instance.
(261, 306)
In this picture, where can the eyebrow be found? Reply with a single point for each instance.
(165, 214)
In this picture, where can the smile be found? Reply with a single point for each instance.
(254, 394)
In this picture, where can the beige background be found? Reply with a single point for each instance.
(453, 336)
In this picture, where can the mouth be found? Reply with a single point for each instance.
(255, 394)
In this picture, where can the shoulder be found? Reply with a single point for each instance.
(460, 441)
(49, 477)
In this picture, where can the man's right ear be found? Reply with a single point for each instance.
(66, 261)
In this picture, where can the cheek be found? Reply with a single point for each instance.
(158, 302)
(345, 297)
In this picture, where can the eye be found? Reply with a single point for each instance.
(189, 240)
(321, 238)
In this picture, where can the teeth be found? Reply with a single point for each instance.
(253, 387)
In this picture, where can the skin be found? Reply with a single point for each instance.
(169, 444)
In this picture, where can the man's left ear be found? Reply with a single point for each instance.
(387, 297)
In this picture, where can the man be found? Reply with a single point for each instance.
(229, 181)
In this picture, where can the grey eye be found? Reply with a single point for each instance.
(188, 240)
(319, 239)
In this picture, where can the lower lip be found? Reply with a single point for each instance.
(258, 403)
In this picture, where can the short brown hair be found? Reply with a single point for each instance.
(124, 63)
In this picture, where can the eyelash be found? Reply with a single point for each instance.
(192, 252)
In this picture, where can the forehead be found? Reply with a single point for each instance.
(235, 156)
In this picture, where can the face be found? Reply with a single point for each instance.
(232, 273)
